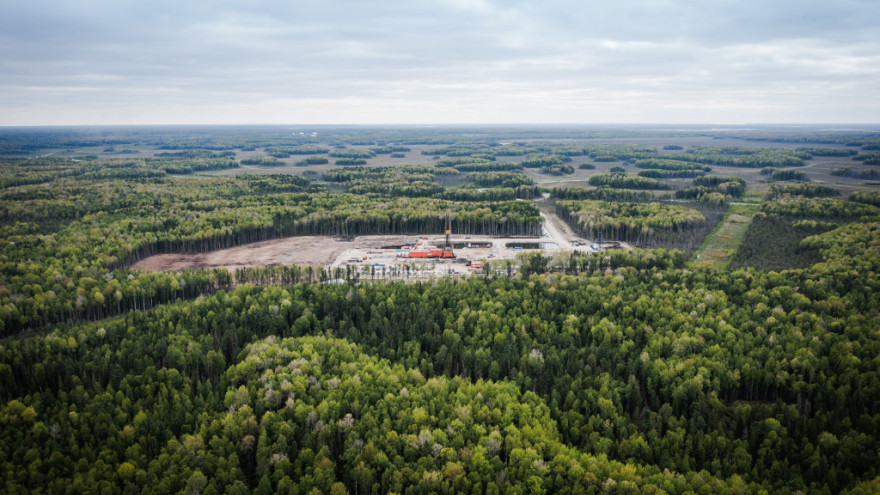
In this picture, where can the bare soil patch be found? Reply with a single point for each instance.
(304, 250)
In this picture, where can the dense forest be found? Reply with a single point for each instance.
(558, 372)
(66, 243)
(622, 180)
(654, 224)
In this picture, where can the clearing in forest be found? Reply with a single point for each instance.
(302, 250)
(723, 242)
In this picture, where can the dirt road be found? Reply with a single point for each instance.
(560, 233)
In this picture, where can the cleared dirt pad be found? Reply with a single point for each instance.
(311, 250)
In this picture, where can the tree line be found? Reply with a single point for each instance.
(626, 181)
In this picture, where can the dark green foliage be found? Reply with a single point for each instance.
(872, 158)
(612, 372)
(626, 181)
(694, 193)
(864, 174)
(671, 174)
(705, 195)
(381, 174)
(183, 167)
(135, 173)
(492, 194)
(527, 192)
(673, 147)
(460, 150)
(643, 224)
(828, 151)
(351, 161)
(587, 166)
(262, 161)
(390, 149)
(452, 162)
(731, 182)
(396, 188)
(603, 194)
(545, 161)
(548, 154)
(866, 197)
(286, 151)
(481, 166)
(813, 208)
(633, 360)
(774, 243)
(738, 156)
(387, 181)
(66, 245)
(352, 153)
(422, 181)
(672, 165)
(805, 190)
(557, 170)
(618, 152)
(604, 158)
(195, 154)
(714, 189)
(500, 179)
(789, 175)
(312, 160)
(773, 240)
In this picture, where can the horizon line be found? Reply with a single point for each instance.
(481, 124)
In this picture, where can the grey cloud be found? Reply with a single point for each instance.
(188, 56)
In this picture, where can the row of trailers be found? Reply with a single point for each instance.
(432, 253)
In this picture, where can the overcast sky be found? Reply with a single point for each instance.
(441, 61)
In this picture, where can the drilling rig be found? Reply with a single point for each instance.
(447, 248)
(446, 252)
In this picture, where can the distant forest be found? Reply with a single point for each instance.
(600, 370)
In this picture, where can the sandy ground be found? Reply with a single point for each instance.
(306, 250)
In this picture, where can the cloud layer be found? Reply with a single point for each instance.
(452, 61)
